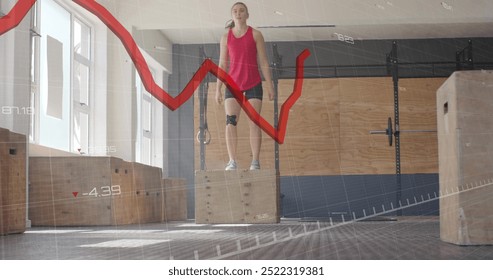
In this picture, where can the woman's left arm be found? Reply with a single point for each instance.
(264, 64)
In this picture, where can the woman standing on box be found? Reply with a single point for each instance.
(244, 48)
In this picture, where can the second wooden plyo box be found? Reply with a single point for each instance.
(236, 197)
(465, 141)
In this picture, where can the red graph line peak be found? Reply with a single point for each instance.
(19, 11)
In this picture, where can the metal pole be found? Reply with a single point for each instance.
(275, 79)
(403, 131)
(395, 79)
(464, 59)
(277, 62)
(202, 95)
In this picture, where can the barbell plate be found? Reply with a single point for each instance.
(389, 131)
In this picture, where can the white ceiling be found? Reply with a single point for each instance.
(202, 21)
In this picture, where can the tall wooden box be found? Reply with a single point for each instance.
(12, 182)
(147, 184)
(465, 141)
(125, 197)
(236, 197)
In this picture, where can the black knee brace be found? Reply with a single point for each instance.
(231, 120)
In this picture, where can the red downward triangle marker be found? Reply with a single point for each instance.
(75, 194)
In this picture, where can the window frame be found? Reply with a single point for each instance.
(77, 106)
(35, 127)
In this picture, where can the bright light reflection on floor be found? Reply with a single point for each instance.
(125, 243)
(57, 231)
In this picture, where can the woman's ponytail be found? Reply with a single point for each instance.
(230, 24)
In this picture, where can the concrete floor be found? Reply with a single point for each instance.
(406, 238)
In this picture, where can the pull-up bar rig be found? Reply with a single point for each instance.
(276, 66)
(464, 60)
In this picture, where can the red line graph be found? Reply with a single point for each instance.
(20, 9)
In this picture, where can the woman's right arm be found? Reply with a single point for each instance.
(223, 58)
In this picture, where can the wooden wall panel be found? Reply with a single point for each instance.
(328, 128)
(313, 127)
(417, 99)
(365, 104)
(312, 137)
(12, 182)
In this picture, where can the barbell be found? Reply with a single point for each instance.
(392, 133)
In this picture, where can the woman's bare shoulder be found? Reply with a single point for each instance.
(256, 31)
(257, 34)
(224, 37)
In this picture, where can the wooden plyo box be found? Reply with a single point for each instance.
(465, 148)
(70, 191)
(122, 176)
(93, 191)
(175, 199)
(147, 184)
(236, 197)
(12, 182)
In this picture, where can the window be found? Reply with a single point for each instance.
(61, 74)
(34, 72)
(81, 84)
(145, 126)
(149, 144)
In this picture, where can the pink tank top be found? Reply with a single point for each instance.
(243, 66)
